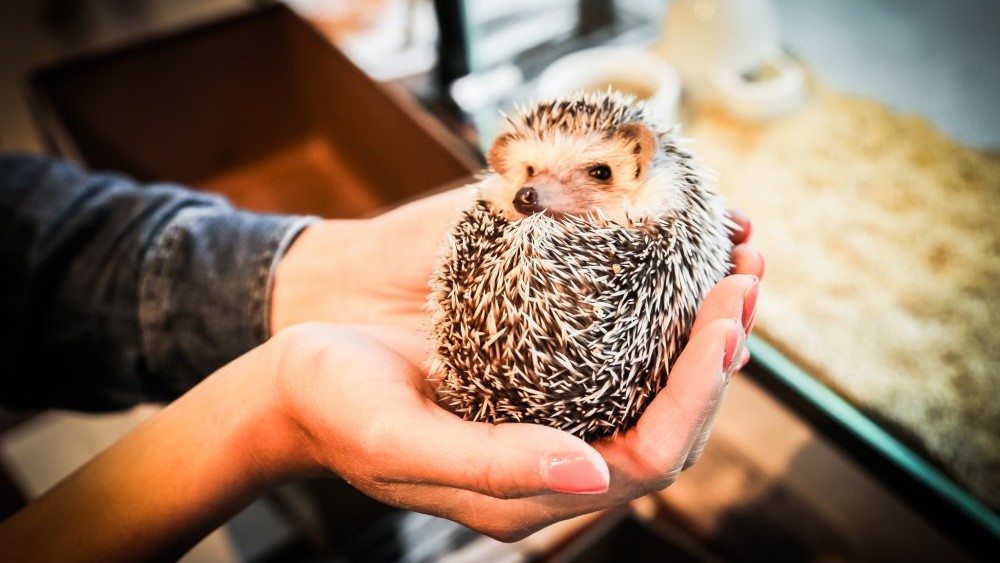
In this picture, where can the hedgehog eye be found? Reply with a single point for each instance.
(531, 171)
(600, 172)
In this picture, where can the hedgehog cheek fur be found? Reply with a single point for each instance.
(568, 321)
(558, 167)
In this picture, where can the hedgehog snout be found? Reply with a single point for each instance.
(526, 201)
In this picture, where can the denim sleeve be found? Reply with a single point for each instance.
(114, 293)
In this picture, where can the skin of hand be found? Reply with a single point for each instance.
(370, 271)
(353, 399)
(367, 413)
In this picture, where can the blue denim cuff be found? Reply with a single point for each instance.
(205, 288)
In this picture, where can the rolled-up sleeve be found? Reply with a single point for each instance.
(115, 292)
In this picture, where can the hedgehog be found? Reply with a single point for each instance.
(568, 289)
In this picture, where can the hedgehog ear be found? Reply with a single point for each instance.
(642, 143)
(497, 157)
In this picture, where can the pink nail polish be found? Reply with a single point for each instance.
(576, 474)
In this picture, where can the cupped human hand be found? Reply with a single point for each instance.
(362, 407)
(361, 398)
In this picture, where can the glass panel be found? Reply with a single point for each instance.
(511, 42)
(880, 227)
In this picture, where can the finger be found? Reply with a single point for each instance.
(423, 225)
(735, 297)
(672, 424)
(399, 435)
(694, 454)
(744, 228)
(746, 260)
(438, 210)
(407, 438)
(408, 343)
(503, 519)
(502, 461)
(506, 520)
(735, 360)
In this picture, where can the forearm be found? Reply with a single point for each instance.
(116, 292)
(156, 492)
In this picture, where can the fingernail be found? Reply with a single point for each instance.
(739, 217)
(734, 350)
(576, 474)
(750, 306)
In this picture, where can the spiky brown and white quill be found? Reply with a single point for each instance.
(569, 307)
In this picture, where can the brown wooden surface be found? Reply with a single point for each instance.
(768, 488)
(260, 107)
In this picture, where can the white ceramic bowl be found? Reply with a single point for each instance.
(729, 51)
(630, 70)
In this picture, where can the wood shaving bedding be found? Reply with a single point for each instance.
(882, 238)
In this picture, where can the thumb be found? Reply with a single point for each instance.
(678, 418)
(502, 461)
(408, 438)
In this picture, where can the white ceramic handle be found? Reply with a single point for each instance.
(764, 98)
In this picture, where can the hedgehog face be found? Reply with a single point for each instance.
(593, 156)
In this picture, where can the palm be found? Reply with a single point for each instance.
(421, 227)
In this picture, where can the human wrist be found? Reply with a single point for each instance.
(309, 278)
(295, 372)
(261, 438)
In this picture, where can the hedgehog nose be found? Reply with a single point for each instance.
(526, 200)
